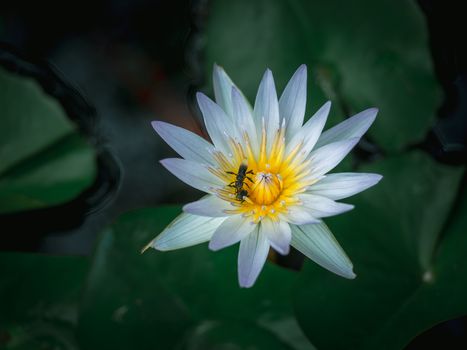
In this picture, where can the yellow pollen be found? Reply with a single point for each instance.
(265, 183)
(266, 189)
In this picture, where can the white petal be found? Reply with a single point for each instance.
(222, 89)
(318, 243)
(278, 234)
(292, 103)
(355, 126)
(310, 132)
(192, 173)
(321, 207)
(186, 230)
(267, 108)
(209, 205)
(252, 255)
(218, 124)
(231, 231)
(343, 185)
(327, 157)
(299, 215)
(189, 145)
(244, 119)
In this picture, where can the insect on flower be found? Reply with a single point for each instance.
(265, 175)
(240, 176)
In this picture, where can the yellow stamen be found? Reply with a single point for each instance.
(266, 185)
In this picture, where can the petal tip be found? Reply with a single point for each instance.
(351, 275)
(327, 106)
(371, 113)
(378, 178)
(186, 208)
(169, 163)
(283, 251)
(374, 179)
(218, 71)
(214, 246)
(349, 206)
(353, 141)
(301, 73)
(267, 74)
(200, 97)
(218, 67)
(157, 125)
(147, 246)
(245, 282)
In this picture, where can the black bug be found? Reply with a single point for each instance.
(240, 176)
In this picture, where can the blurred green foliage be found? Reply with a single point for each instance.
(39, 297)
(187, 299)
(178, 298)
(401, 238)
(360, 54)
(44, 160)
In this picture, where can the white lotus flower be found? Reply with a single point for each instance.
(265, 176)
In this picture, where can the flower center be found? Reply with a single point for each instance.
(266, 188)
(263, 184)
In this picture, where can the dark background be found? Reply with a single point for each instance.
(121, 64)
(131, 62)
